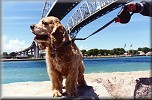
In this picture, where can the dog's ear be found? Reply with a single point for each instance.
(59, 33)
(58, 28)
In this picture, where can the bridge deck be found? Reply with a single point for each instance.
(60, 9)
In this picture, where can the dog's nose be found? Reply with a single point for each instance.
(32, 26)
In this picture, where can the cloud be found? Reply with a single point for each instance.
(13, 45)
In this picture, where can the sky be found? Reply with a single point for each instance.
(18, 15)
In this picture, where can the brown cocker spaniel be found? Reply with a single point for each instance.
(63, 58)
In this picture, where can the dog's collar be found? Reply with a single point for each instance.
(67, 43)
(57, 49)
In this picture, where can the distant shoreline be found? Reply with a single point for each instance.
(110, 56)
(5, 60)
(84, 57)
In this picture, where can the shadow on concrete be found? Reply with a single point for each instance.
(85, 92)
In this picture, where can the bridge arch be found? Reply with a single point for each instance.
(32, 51)
(87, 12)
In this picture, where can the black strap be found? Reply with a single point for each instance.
(96, 30)
(99, 29)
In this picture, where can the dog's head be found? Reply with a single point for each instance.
(48, 30)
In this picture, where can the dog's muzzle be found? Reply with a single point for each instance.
(39, 37)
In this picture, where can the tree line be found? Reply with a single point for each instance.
(115, 51)
(102, 52)
(12, 54)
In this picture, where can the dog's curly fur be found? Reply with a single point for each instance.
(63, 58)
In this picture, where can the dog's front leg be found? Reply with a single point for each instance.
(71, 83)
(81, 81)
(56, 80)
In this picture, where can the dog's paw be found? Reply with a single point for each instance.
(72, 94)
(56, 93)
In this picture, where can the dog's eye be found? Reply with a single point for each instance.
(45, 23)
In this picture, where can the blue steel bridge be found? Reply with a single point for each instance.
(86, 12)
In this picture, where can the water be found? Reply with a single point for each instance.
(22, 71)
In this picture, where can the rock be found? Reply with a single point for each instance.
(143, 88)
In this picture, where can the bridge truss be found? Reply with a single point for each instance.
(48, 4)
(90, 10)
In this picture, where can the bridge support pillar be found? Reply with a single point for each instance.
(26, 52)
(36, 52)
(32, 52)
